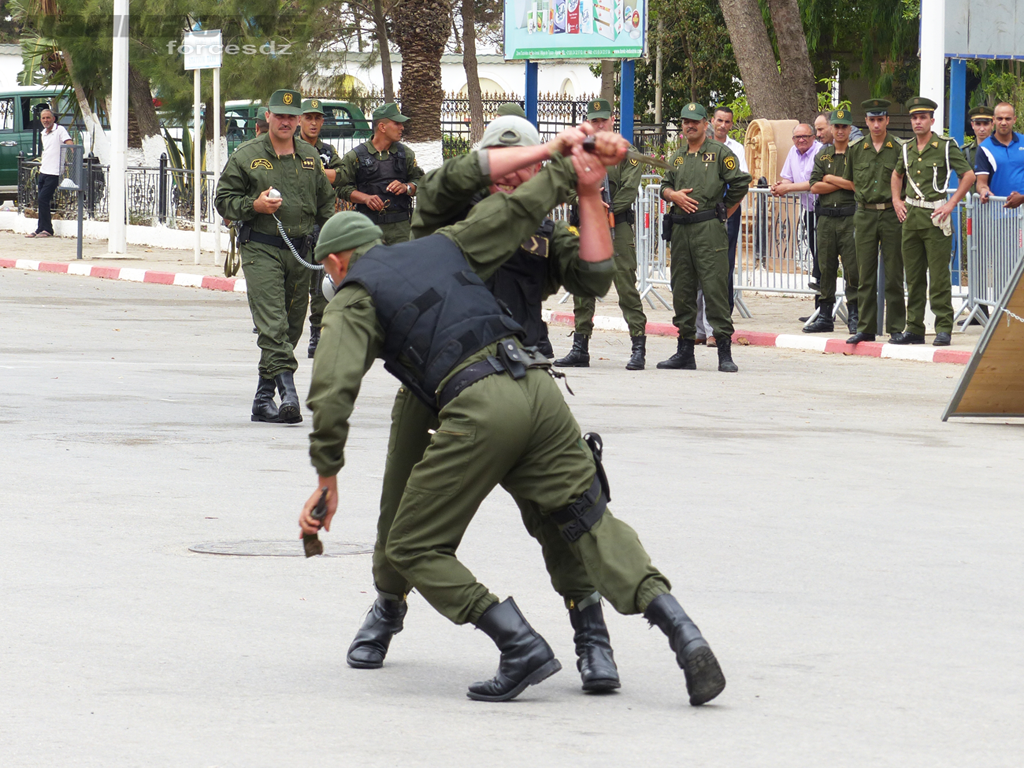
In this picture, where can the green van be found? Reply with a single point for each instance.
(20, 126)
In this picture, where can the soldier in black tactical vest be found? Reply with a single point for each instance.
(380, 175)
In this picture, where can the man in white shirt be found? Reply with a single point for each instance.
(53, 136)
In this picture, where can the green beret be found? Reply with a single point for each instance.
(343, 231)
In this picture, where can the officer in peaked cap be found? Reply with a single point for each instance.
(277, 284)
(869, 167)
(623, 188)
(981, 123)
(380, 176)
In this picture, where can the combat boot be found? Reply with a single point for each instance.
(579, 355)
(314, 339)
(384, 620)
(725, 363)
(683, 358)
(638, 359)
(823, 323)
(594, 657)
(704, 678)
(263, 406)
(289, 412)
(852, 317)
(526, 658)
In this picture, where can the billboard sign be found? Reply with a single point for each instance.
(575, 29)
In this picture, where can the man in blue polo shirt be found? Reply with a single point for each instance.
(999, 165)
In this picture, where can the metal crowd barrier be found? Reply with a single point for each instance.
(995, 244)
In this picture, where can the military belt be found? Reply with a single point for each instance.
(471, 374)
(278, 242)
(386, 217)
(836, 211)
(931, 205)
(693, 218)
(876, 206)
(627, 216)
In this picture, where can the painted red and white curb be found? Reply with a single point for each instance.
(813, 343)
(211, 282)
(925, 353)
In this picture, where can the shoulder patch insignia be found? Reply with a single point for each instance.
(261, 162)
(538, 246)
(888, 144)
(574, 231)
(634, 162)
(309, 162)
(709, 157)
(678, 161)
(730, 163)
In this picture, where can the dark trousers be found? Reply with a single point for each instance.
(47, 186)
(732, 227)
(812, 243)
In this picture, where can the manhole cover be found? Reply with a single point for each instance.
(277, 548)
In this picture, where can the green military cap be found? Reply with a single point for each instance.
(389, 112)
(345, 230)
(693, 111)
(312, 105)
(285, 102)
(840, 117)
(511, 108)
(982, 113)
(599, 108)
(876, 107)
(921, 104)
(510, 131)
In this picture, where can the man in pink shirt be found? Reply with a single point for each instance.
(796, 177)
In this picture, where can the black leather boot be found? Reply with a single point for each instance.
(579, 355)
(725, 363)
(594, 657)
(683, 358)
(289, 412)
(823, 323)
(704, 678)
(851, 316)
(263, 406)
(526, 658)
(314, 339)
(371, 642)
(639, 356)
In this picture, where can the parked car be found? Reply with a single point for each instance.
(20, 126)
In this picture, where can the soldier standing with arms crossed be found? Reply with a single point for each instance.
(705, 187)
(624, 183)
(379, 176)
(310, 125)
(835, 208)
(277, 285)
(870, 165)
(927, 164)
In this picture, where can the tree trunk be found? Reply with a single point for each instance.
(380, 31)
(608, 80)
(767, 95)
(421, 31)
(794, 59)
(476, 105)
(142, 113)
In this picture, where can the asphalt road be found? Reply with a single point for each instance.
(854, 562)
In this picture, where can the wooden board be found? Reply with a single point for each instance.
(992, 384)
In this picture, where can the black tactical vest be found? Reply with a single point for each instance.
(519, 283)
(373, 177)
(434, 309)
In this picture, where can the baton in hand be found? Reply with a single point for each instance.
(311, 542)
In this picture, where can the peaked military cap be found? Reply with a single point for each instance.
(921, 104)
(599, 108)
(982, 113)
(312, 106)
(876, 107)
(389, 112)
(511, 108)
(285, 102)
(840, 117)
(693, 111)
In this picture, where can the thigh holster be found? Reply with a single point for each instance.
(579, 517)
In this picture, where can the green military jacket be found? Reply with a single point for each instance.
(446, 194)
(307, 197)
(971, 153)
(827, 163)
(352, 336)
(623, 185)
(333, 159)
(346, 180)
(713, 172)
(871, 171)
(927, 174)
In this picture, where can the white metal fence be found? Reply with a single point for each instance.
(995, 243)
